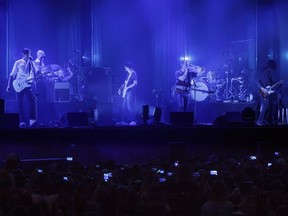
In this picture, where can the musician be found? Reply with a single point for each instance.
(39, 61)
(267, 101)
(184, 81)
(64, 74)
(128, 92)
(23, 70)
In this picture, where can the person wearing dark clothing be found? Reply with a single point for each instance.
(268, 94)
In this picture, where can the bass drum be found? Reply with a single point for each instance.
(199, 92)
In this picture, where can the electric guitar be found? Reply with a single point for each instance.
(21, 83)
(270, 89)
(124, 89)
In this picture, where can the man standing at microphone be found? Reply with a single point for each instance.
(22, 75)
(184, 81)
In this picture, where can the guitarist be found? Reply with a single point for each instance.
(128, 92)
(24, 68)
(268, 100)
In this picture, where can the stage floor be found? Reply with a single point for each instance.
(139, 143)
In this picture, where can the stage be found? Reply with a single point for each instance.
(130, 144)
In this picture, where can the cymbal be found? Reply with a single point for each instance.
(50, 68)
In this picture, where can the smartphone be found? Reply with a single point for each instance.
(169, 173)
(213, 172)
(176, 163)
(160, 171)
(65, 178)
(39, 170)
(69, 158)
(106, 177)
(269, 164)
(253, 157)
(154, 169)
(162, 179)
(196, 174)
(276, 153)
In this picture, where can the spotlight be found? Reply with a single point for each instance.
(185, 58)
(85, 58)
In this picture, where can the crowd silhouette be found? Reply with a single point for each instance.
(190, 186)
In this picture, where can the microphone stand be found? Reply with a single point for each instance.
(194, 89)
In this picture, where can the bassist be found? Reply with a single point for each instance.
(24, 68)
(268, 94)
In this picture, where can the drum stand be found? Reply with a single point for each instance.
(233, 91)
(226, 91)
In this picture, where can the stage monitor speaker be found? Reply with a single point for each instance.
(9, 120)
(229, 118)
(182, 118)
(77, 119)
(2, 106)
(234, 118)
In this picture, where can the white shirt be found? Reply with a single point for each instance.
(20, 71)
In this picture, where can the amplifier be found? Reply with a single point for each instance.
(58, 92)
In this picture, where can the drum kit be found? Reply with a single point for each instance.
(54, 72)
(212, 89)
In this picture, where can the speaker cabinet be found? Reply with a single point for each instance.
(229, 118)
(2, 106)
(98, 83)
(182, 118)
(58, 92)
(9, 120)
(234, 117)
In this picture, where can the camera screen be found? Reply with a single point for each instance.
(213, 172)
(253, 158)
(154, 169)
(40, 171)
(169, 173)
(69, 158)
(162, 179)
(176, 163)
(106, 176)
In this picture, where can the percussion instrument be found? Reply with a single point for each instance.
(200, 91)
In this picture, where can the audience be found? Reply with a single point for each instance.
(187, 187)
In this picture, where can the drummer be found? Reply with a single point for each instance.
(211, 77)
(63, 74)
(39, 61)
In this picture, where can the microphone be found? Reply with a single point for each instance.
(75, 50)
(30, 58)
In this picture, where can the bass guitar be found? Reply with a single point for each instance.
(270, 89)
(124, 87)
(21, 83)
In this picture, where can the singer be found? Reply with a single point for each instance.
(22, 75)
(184, 81)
